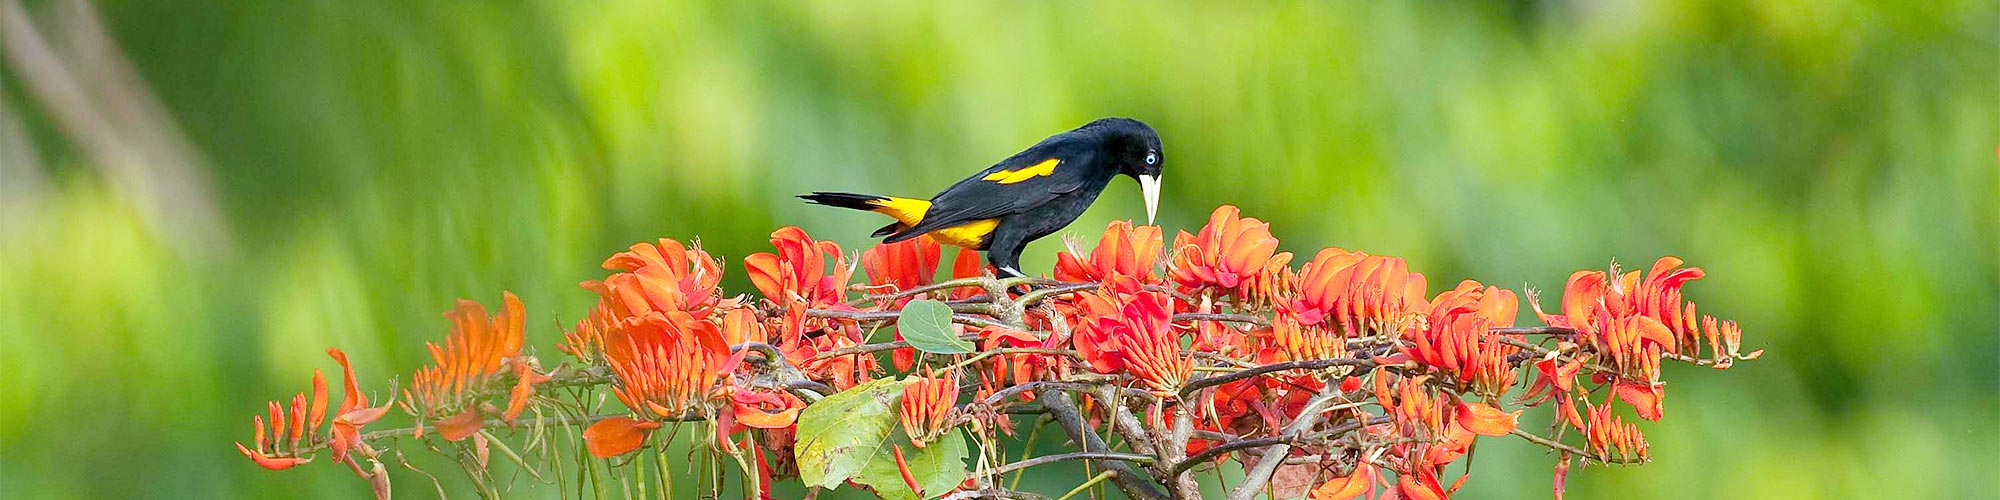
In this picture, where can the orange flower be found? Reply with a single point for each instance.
(354, 411)
(667, 364)
(660, 277)
(765, 410)
(1421, 483)
(796, 278)
(841, 372)
(1124, 250)
(1126, 329)
(1606, 432)
(798, 271)
(1302, 342)
(1349, 486)
(477, 352)
(586, 341)
(1363, 294)
(1555, 379)
(901, 266)
(1485, 420)
(1012, 369)
(926, 407)
(1410, 405)
(1228, 251)
(968, 265)
(1457, 338)
(1649, 400)
(279, 450)
(616, 436)
(1593, 304)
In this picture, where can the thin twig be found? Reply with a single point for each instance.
(1079, 455)
(1559, 446)
(1310, 364)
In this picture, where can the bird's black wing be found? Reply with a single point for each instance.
(1015, 185)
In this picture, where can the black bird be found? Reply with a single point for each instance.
(1026, 196)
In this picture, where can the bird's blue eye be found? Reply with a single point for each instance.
(1152, 159)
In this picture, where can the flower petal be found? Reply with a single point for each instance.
(616, 436)
(461, 426)
(1485, 420)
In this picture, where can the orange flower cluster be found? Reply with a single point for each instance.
(668, 364)
(926, 407)
(902, 266)
(1231, 253)
(1302, 342)
(1456, 337)
(1126, 329)
(1125, 250)
(1606, 432)
(1365, 295)
(475, 355)
(280, 453)
(1293, 348)
(295, 429)
(1634, 320)
(796, 276)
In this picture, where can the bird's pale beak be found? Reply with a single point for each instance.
(1149, 186)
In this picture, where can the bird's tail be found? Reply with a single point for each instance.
(906, 211)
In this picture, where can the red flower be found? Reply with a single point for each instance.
(1362, 294)
(1125, 250)
(1228, 251)
(477, 352)
(1127, 330)
(926, 407)
(1457, 337)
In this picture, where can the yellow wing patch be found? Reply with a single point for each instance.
(968, 235)
(1046, 167)
(910, 211)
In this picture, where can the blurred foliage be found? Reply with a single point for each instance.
(1831, 163)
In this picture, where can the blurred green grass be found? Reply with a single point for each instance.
(1830, 163)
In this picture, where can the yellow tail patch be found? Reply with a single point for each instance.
(1046, 167)
(910, 211)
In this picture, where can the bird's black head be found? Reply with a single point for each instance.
(1135, 150)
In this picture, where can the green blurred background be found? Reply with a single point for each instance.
(196, 198)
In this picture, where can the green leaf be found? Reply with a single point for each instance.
(841, 433)
(926, 324)
(938, 467)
